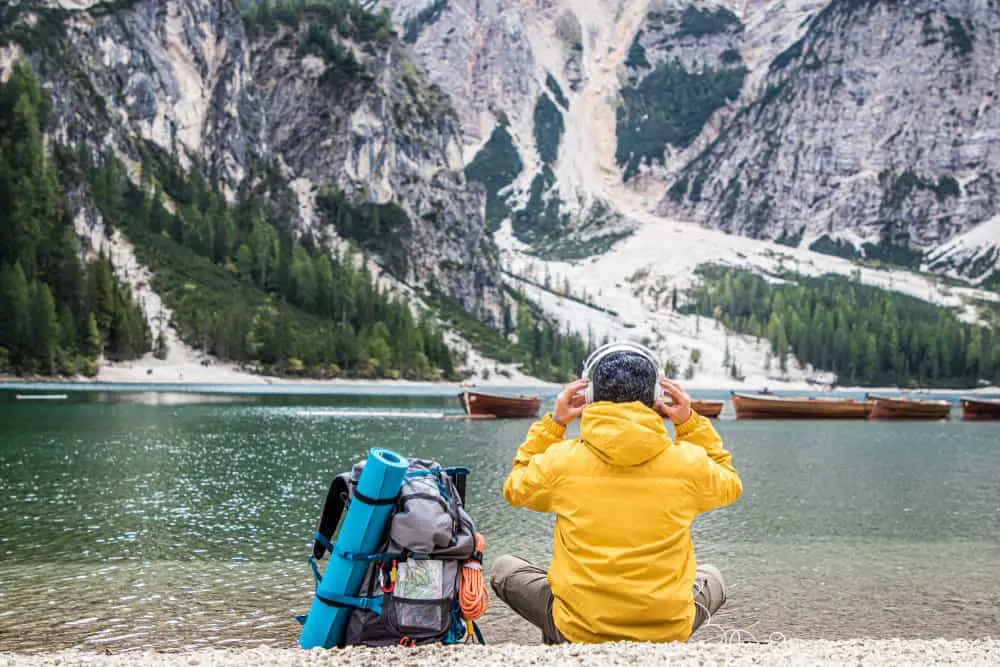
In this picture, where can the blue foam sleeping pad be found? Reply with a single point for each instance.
(360, 532)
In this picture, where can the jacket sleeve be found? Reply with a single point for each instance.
(530, 481)
(717, 480)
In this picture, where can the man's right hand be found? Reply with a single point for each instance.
(679, 409)
(570, 403)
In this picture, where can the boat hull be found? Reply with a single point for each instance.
(710, 409)
(478, 404)
(974, 409)
(769, 407)
(898, 408)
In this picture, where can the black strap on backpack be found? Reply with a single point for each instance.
(336, 502)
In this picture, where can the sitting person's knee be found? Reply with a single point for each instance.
(502, 569)
(710, 578)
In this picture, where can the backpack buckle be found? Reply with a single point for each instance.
(387, 587)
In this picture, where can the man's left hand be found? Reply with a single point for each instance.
(570, 403)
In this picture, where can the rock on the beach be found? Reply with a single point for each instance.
(792, 652)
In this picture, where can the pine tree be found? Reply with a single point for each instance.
(102, 293)
(781, 345)
(378, 348)
(68, 285)
(160, 350)
(67, 329)
(44, 329)
(92, 345)
(15, 318)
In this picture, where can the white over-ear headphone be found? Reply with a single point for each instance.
(600, 353)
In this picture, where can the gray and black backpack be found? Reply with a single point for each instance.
(418, 565)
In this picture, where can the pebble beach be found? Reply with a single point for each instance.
(789, 652)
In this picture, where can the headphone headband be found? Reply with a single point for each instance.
(597, 355)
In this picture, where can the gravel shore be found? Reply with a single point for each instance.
(792, 652)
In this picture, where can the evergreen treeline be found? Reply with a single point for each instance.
(527, 338)
(550, 354)
(57, 315)
(351, 19)
(243, 287)
(866, 335)
(348, 19)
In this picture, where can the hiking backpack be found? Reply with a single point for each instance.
(417, 568)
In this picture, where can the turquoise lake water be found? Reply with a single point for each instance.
(172, 521)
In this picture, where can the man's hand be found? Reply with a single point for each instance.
(680, 410)
(569, 405)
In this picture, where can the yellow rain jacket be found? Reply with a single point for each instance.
(624, 495)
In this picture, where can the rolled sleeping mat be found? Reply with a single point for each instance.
(361, 531)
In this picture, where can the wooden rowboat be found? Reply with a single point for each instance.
(710, 409)
(980, 409)
(798, 407)
(908, 408)
(479, 404)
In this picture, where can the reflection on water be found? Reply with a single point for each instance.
(126, 524)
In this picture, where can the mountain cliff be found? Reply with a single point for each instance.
(876, 133)
(860, 128)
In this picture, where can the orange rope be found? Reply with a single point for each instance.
(473, 596)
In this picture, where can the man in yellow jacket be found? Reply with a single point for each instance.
(624, 495)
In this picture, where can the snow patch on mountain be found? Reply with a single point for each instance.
(973, 256)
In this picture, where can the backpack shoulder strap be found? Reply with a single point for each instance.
(336, 502)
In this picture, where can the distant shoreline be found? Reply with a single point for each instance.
(289, 386)
(189, 374)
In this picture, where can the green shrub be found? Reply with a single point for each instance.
(959, 37)
(556, 90)
(429, 15)
(637, 54)
(697, 22)
(548, 129)
(837, 248)
(731, 56)
(947, 187)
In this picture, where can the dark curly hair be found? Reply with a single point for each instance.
(625, 377)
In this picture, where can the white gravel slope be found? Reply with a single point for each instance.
(792, 652)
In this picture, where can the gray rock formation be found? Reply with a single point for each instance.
(878, 131)
(184, 80)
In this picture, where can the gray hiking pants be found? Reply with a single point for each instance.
(525, 588)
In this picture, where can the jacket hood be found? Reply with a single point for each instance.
(623, 434)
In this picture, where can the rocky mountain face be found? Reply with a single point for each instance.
(534, 84)
(325, 106)
(877, 132)
(862, 128)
